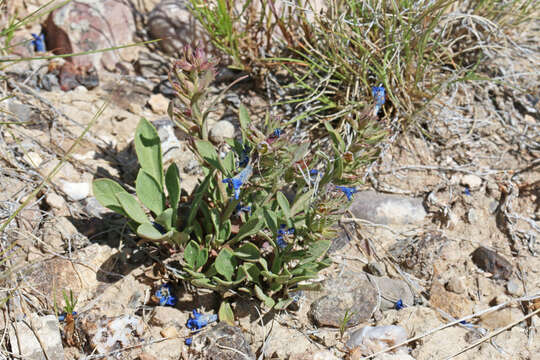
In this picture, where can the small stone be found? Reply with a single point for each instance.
(387, 209)
(221, 130)
(55, 201)
(158, 103)
(146, 356)
(32, 158)
(393, 290)
(76, 191)
(166, 315)
(169, 332)
(500, 318)
(456, 285)
(223, 342)
(500, 299)
(529, 120)
(350, 294)
(489, 261)
(449, 302)
(472, 216)
(513, 288)
(375, 268)
(493, 206)
(135, 108)
(471, 181)
(318, 355)
(109, 334)
(47, 330)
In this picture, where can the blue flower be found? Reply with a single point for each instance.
(463, 322)
(348, 191)
(239, 208)
(189, 341)
(239, 180)
(198, 320)
(379, 93)
(281, 232)
(399, 305)
(467, 191)
(164, 295)
(39, 42)
(244, 157)
(314, 172)
(277, 133)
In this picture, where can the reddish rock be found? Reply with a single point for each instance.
(490, 261)
(91, 25)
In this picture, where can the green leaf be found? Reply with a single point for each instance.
(204, 283)
(225, 263)
(132, 207)
(149, 192)
(148, 149)
(248, 251)
(251, 227)
(224, 232)
(147, 231)
(172, 182)
(316, 250)
(209, 153)
(226, 314)
(104, 192)
(283, 303)
(267, 300)
(202, 257)
(228, 163)
(202, 189)
(191, 253)
(165, 219)
(194, 274)
(300, 202)
(336, 138)
(270, 219)
(243, 117)
(252, 272)
(284, 205)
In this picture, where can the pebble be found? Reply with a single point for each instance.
(513, 288)
(393, 290)
(500, 318)
(159, 104)
(471, 181)
(47, 330)
(221, 130)
(371, 339)
(169, 332)
(472, 216)
(166, 315)
(121, 331)
(55, 201)
(489, 261)
(350, 294)
(318, 355)
(456, 285)
(76, 191)
(376, 268)
(32, 158)
(223, 342)
(387, 209)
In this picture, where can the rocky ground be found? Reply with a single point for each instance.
(446, 226)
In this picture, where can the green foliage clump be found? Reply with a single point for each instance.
(260, 222)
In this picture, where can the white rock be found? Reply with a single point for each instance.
(471, 181)
(32, 158)
(221, 130)
(371, 339)
(158, 103)
(48, 332)
(75, 190)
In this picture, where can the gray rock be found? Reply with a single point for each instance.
(350, 294)
(393, 290)
(166, 315)
(25, 344)
(387, 209)
(221, 130)
(375, 268)
(223, 342)
(488, 260)
(456, 285)
(514, 288)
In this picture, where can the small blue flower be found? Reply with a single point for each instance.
(467, 191)
(39, 42)
(239, 208)
(189, 341)
(198, 320)
(379, 93)
(314, 172)
(239, 180)
(399, 305)
(159, 228)
(277, 133)
(348, 191)
(244, 157)
(164, 295)
(463, 322)
(281, 232)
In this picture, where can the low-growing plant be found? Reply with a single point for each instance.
(260, 222)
